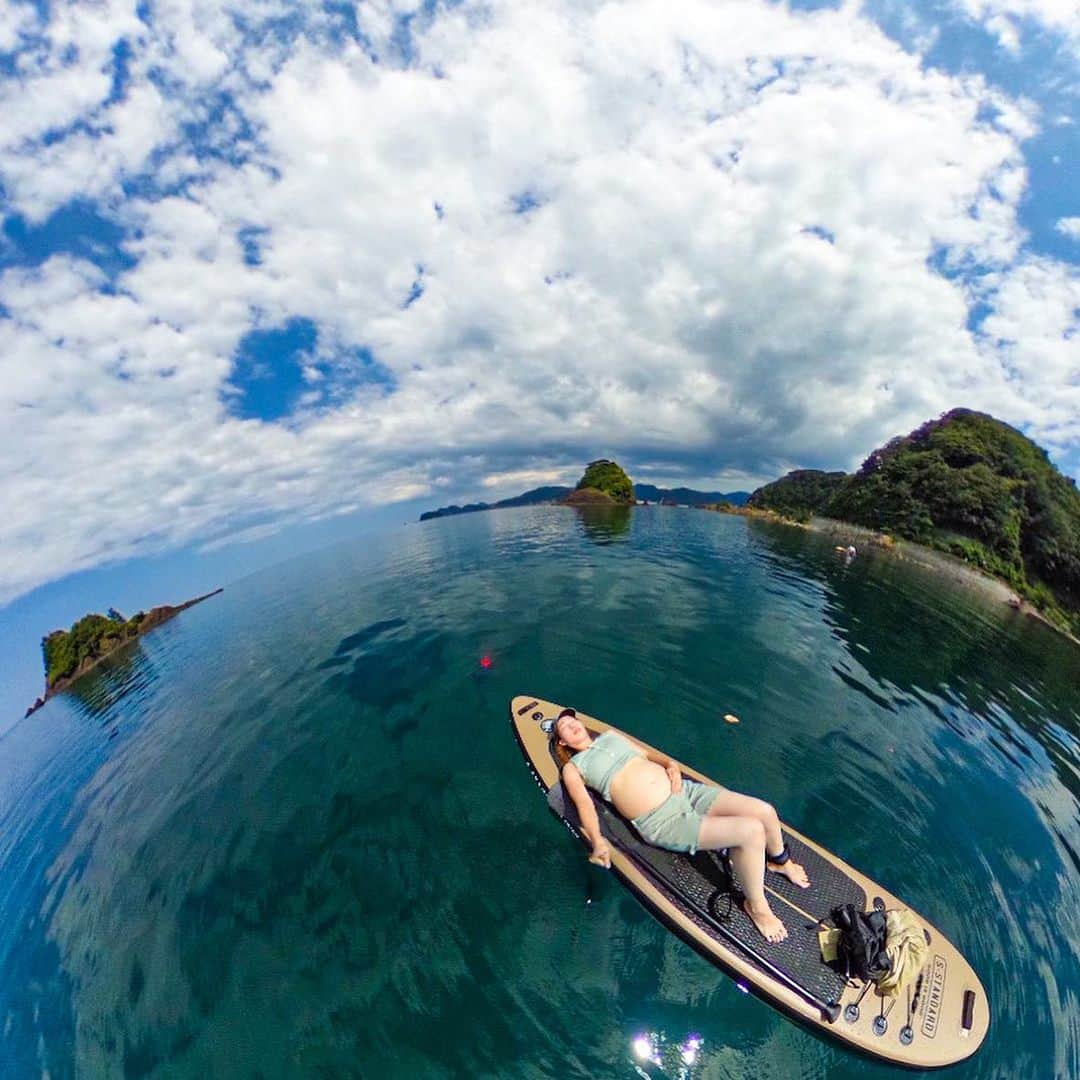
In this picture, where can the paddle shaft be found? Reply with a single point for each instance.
(829, 1010)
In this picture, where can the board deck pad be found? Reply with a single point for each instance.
(942, 1019)
(829, 885)
(798, 956)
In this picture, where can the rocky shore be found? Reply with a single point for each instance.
(153, 618)
(956, 570)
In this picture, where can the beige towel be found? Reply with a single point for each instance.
(828, 940)
(906, 945)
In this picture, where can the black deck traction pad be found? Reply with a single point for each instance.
(829, 885)
(799, 956)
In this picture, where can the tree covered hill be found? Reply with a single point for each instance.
(533, 497)
(603, 478)
(67, 654)
(967, 484)
(799, 495)
(89, 638)
(689, 496)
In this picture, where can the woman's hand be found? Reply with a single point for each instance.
(601, 854)
(675, 776)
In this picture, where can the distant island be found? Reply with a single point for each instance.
(966, 484)
(604, 483)
(552, 495)
(70, 654)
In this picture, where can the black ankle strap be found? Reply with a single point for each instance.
(779, 860)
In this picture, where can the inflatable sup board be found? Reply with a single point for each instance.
(940, 1019)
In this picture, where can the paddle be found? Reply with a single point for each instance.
(830, 1010)
(566, 813)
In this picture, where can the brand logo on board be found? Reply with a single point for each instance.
(933, 998)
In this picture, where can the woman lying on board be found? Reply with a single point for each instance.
(669, 812)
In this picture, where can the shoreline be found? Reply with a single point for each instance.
(937, 562)
(155, 617)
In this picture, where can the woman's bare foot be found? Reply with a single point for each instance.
(772, 929)
(792, 871)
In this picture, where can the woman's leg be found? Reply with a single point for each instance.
(732, 804)
(744, 837)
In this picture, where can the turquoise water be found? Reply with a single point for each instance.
(291, 834)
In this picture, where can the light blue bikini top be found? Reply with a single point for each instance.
(600, 762)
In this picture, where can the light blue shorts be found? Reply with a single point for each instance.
(676, 822)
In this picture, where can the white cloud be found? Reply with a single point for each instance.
(15, 20)
(66, 76)
(1070, 227)
(1003, 18)
(728, 264)
(518, 480)
(1032, 334)
(1006, 30)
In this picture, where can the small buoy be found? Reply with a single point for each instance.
(730, 718)
(485, 661)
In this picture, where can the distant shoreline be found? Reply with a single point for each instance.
(644, 493)
(153, 619)
(938, 562)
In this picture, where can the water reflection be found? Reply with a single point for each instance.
(605, 524)
(129, 670)
(912, 636)
(320, 852)
(953, 692)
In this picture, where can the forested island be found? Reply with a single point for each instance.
(604, 483)
(68, 654)
(554, 494)
(966, 484)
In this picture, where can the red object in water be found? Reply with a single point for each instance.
(485, 661)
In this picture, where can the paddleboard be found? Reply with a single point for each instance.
(942, 1018)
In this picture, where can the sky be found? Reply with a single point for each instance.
(273, 272)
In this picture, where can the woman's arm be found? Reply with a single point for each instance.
(590, 823)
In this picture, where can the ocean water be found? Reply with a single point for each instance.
(290, 833)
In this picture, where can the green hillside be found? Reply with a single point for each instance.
(966, 484)
(800, 494)
(609, 478)
(90, 638)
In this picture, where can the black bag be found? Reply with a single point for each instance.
(861, 949)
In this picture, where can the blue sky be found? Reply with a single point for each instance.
(270, 273)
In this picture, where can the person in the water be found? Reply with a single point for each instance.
(673, 813)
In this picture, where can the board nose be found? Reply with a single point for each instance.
(521, 703)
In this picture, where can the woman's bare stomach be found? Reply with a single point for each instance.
(639, 786)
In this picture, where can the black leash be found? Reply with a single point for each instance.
(830, 1010)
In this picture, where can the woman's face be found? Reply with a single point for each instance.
(572, 732)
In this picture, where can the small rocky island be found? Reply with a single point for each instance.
(604, 484)
(70, 654)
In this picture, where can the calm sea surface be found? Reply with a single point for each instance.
(291, 834)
